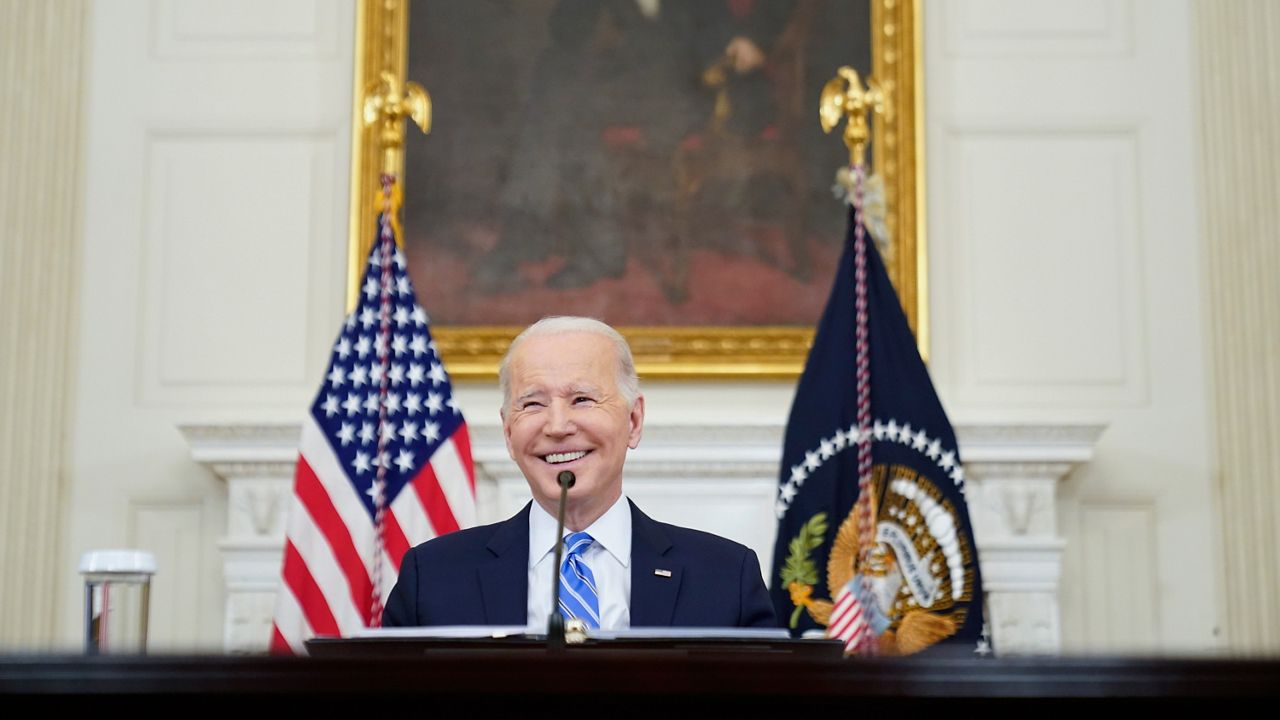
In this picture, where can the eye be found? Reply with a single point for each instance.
(581, 399)
(530, 404)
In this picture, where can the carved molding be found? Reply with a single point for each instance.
(1015, 506)
(1024, 623)
(236, 444)
(1066, 443)
(1015, 470)
(253, 469)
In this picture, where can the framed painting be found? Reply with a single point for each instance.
(657, 164)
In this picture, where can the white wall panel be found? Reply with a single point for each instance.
(1117, 554)
(230, 266)
(175, 532)
(1047, 241)
(1065, 284)
(245, 29)
(1030, 28)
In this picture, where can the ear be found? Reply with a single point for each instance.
(636, 418)
(506, 431)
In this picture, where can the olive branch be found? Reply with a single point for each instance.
(799, 569)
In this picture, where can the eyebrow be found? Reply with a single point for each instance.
(528, 394)
(571, 390)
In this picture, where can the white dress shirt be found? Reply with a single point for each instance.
(609, 558)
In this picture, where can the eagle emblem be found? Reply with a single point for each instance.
(905, 581)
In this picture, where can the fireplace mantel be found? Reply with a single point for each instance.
(729, 470)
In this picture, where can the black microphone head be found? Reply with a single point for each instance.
(566, 479)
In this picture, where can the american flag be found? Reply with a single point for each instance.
(849, 621)
(384, 461)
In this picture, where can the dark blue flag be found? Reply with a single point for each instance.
(897, 573)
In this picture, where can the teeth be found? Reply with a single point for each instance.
(565, 457)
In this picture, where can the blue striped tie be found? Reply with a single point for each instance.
(578, 598)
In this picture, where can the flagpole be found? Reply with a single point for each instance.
(844, 98)
(387, 102)
(386, 241)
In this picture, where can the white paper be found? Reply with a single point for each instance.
(503, 631)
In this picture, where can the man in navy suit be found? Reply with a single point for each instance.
(571, 401)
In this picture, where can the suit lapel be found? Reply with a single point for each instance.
(504, 581)
(653, 591)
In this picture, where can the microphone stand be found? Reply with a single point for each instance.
(555, 623)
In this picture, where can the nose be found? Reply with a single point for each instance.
(559, 420)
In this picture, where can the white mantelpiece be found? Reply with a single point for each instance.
(257, 463)
(1013, 475)
(718, 478)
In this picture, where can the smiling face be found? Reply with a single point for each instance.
(565, 412)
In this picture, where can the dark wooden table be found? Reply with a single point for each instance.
(620, 680)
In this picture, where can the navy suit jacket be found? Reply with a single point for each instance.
(480, 576)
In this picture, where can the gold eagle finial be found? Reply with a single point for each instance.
(387, 103)
(844, 97)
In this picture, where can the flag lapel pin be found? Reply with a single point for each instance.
(662, 573)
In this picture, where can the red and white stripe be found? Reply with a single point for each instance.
(849, 623)
(330, 538)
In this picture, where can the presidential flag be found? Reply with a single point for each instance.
(384, 461)
(874, 542)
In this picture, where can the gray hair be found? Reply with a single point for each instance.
(628, 381)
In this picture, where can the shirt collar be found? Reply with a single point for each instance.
(612, 531)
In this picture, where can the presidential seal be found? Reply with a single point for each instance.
(900, 571)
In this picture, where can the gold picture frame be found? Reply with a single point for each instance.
(731, 352)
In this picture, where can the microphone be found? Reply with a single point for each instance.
(555, 623)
